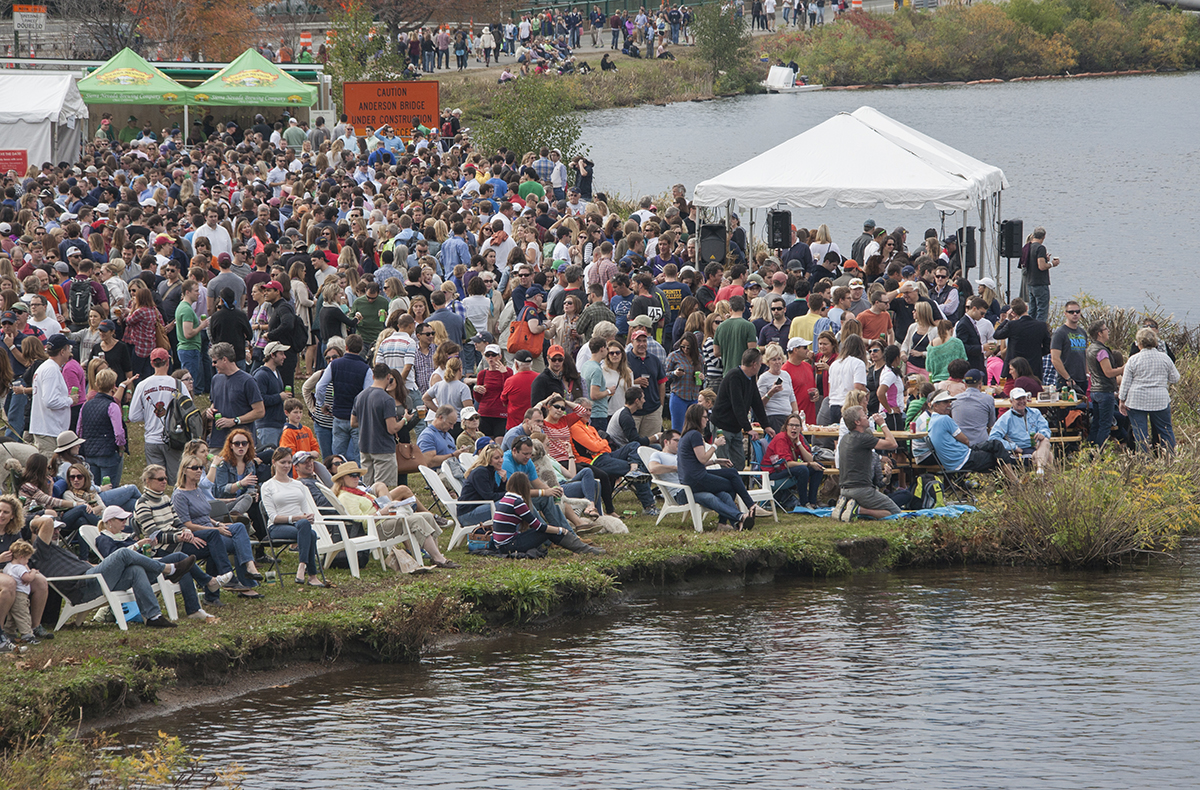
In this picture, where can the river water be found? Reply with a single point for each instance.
(958, 679)
(1109, 166)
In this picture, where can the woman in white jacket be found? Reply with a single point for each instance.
(291, 510)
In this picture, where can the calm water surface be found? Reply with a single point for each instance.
(939, 679)
(1110, 167)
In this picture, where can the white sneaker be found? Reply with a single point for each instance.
(217, 582)
(200, 615)
(836, 515)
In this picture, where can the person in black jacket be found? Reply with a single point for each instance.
(285, 327)
(230, 325)
(1027, 337)
(737, 396)
(967, 331)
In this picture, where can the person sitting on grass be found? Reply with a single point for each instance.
(955, 452)
(358, 501)
(606, 63)
(113, 537)
(516, 527)
(856, 467)
(122, 570)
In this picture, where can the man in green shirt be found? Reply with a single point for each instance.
(371, 312)
(529, 184)
(294, 136)
(130, 132)
(188, 327)
(734, 336)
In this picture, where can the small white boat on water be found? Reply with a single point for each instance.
(781, 79)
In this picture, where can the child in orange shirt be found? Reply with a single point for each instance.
(297, 436)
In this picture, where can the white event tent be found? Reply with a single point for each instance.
(859, 160)
(42, 113)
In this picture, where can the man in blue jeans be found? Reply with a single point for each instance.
(124, 569)
(1038, 264)
(189, 328)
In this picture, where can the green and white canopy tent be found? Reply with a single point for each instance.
(128, 79)
(253, 80)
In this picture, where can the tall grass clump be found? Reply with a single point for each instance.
(1104, 508)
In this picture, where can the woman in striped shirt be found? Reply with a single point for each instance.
(516, 527)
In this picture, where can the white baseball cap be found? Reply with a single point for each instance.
(941, 397)
(1017, 393)
(468, 413)
(798, 342)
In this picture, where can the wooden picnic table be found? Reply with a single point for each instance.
(1005, 403)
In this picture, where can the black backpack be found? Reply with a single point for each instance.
(79, 302)
(184, 421)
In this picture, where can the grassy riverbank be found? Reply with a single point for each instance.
(1021, 39)
(1093, 511)
(636, 82)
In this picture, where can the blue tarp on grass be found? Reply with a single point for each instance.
(949, 511)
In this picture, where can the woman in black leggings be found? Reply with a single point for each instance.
(694, 456)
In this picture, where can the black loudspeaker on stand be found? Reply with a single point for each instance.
(713, 245)
(1012, 240)
(966, 247)
(779, 229)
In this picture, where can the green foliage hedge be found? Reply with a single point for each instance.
(1021, 38)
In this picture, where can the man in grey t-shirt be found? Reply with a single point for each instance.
(374, 414)
(226, 279)
(856, 467)
(973, 410)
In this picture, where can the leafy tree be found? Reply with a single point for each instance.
(357, 51)
(722, 40)
(527, 114)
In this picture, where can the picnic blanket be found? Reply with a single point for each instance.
(949, 511)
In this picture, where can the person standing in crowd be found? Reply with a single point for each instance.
(1145, 395)
(50, 411)
(236, 399)
(1037, 263)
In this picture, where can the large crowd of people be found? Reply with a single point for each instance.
(350, 317)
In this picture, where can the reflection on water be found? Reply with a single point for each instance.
(947, 679)
(1108, 166)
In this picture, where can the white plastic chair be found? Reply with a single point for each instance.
(329, 548)
(669, 505)
(434, 481)
(763, 495)
(111, 598)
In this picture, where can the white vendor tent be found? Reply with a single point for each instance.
(43, 114)
(859, 160)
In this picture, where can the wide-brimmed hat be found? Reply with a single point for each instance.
(349, 468)
(67, 440)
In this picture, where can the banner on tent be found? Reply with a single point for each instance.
(393, 103)
(15, 159)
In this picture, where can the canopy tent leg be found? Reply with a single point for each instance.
(186, 128)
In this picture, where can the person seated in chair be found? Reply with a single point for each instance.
(664, 465)
(1023, 430)
(113, 537)
(358, 501)
(955, 452)
(122, 570)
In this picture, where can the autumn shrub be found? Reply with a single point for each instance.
(1020, 38)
